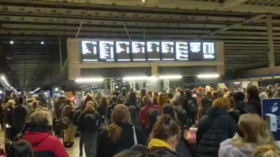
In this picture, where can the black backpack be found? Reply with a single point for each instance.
(192, 107)
(182, 115)
(76, 116)
(91, 121)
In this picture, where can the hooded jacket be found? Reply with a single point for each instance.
(59, 105)
(143, 115)
(162, 148)
(44, 144)
(19, 114)
(227, 149)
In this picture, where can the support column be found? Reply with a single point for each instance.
(153, 83)
(270, 41)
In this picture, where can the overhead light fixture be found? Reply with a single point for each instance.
(89, 80)
(208, 76)
(42, 42)
(56, 89)
(11, 42)
(236, 83)
(135, 78)
(170, 77)
(1, 92)
(143, 1)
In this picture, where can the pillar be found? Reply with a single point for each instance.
(153, 84)
(270, 41)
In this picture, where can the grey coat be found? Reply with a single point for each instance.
(227, 149)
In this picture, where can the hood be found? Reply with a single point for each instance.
(215, 111)
(246, 149)
(35, 137)
(157, 143)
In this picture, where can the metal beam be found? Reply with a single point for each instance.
(270, 41)
(232, 3)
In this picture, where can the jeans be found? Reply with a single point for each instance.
(90, 143)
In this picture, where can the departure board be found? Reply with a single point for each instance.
(129, 51)
(106, 51)
(182, 51)
(89, 51)
(167, 50)
(153, 51)
(138, 51)
(123, 50)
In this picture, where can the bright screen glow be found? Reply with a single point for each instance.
(182, 51)
(106, 50)
(153, 50)
(138, 51)
(208, 50)
(195, 47)
(123, 50)
(89, 50)
(167, 49)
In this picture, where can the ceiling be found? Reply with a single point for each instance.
(241, 24)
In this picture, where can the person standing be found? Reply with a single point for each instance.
(190, 105)
(19, 115)
(254, 101)
(88, 123)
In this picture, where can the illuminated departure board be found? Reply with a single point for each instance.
(153, 51)
(138, 51)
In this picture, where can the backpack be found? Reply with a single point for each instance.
(64, 123)
(182, 115)
(76, 116)
(192, 107)
(91, 121)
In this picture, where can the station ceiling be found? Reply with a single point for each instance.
(241, 24)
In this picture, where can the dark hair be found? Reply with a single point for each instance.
(253, 93)
(21, 148)
(165, 128)
(143, 92)
(114, 98)
(20, 100)
(103, 104)
(132, 96)
(132, 111)
(88, 98)
(170, 95)
(124, 91)
(238, 96)
(168, 109)
(68, 102)
(181, 92)
(152, 116)
(188, 93)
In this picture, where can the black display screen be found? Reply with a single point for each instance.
(153, 51)
(167, 50)
(89, 51)
(195, 51)
(123, 50)
(138, 51)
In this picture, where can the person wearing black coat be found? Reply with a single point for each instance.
(120, 134)
(254, 101)
(213, 128)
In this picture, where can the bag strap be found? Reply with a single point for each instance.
(134, 136)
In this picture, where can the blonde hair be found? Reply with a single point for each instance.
(11, 103)
(221, 103)
(39, 117)
(90, 106)
(254, 130)
(120, 115)
(267, 151)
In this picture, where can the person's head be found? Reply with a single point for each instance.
(200, 89)
(62, 93)
(178, 89)
(68, 102)
(263, 95)
(253, 93)
(146, 100)
(120, 116)
(181, 92)
(103, 102)
(21, 148)
(204, 102)
(11, 103)
(131, 90)
(155, 94)
(168, 109)
(175, 102)
(221, 103)
(35, 104)
(20, 100)
(209, 93)
(253, 129)
(238, 97)
(114, 99)
(124, 91)
(153, 116)
(188, 93)
(150, 93)
(88, 98)
(215, 95)
(277, 85)
(166, 129)
(143, 92)
(90, 106)
(267, 151)
(132, 96)
(39, 118)
(170, 95)
(132, 111)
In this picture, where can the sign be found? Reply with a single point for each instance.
(167, 50)
(153, 51)
(182, 50)
(89, 50)
(271, 113)
(138, 51)
(106, 50)
(123, 50)
(208, 50)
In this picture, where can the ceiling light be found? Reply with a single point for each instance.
(89, 80)
(236, 83)
(170, 77)
(1, 92)
(42, 42)
(56, 89)
(208, 76)
(135, 78)
(11, 42)
(143, 1)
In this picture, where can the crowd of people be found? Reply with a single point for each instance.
(183, 123)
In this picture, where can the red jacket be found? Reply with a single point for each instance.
(143, 115)
(42, 142)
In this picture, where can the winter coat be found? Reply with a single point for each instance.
(143, 115)
(19, 114)
(81, 121)
(107, 148)
(59, 105)
(162, 148)
(227, 149)
(44, 144)
(109, 112)
(214, 128)
(67, 111)
(8, 118)
(254, 107)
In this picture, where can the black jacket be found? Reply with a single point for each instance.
(106, 148)
(165, 152)
(109, 112)
(254, 107)
(214, 128)
(81, 123)
(8, 118)
(19, 114)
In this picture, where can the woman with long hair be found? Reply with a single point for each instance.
(88, 123)
(267, 151)
(252, 132)
(213, 128)
(20, 148)
(254, 101)
(120, 135)
(102, 108)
